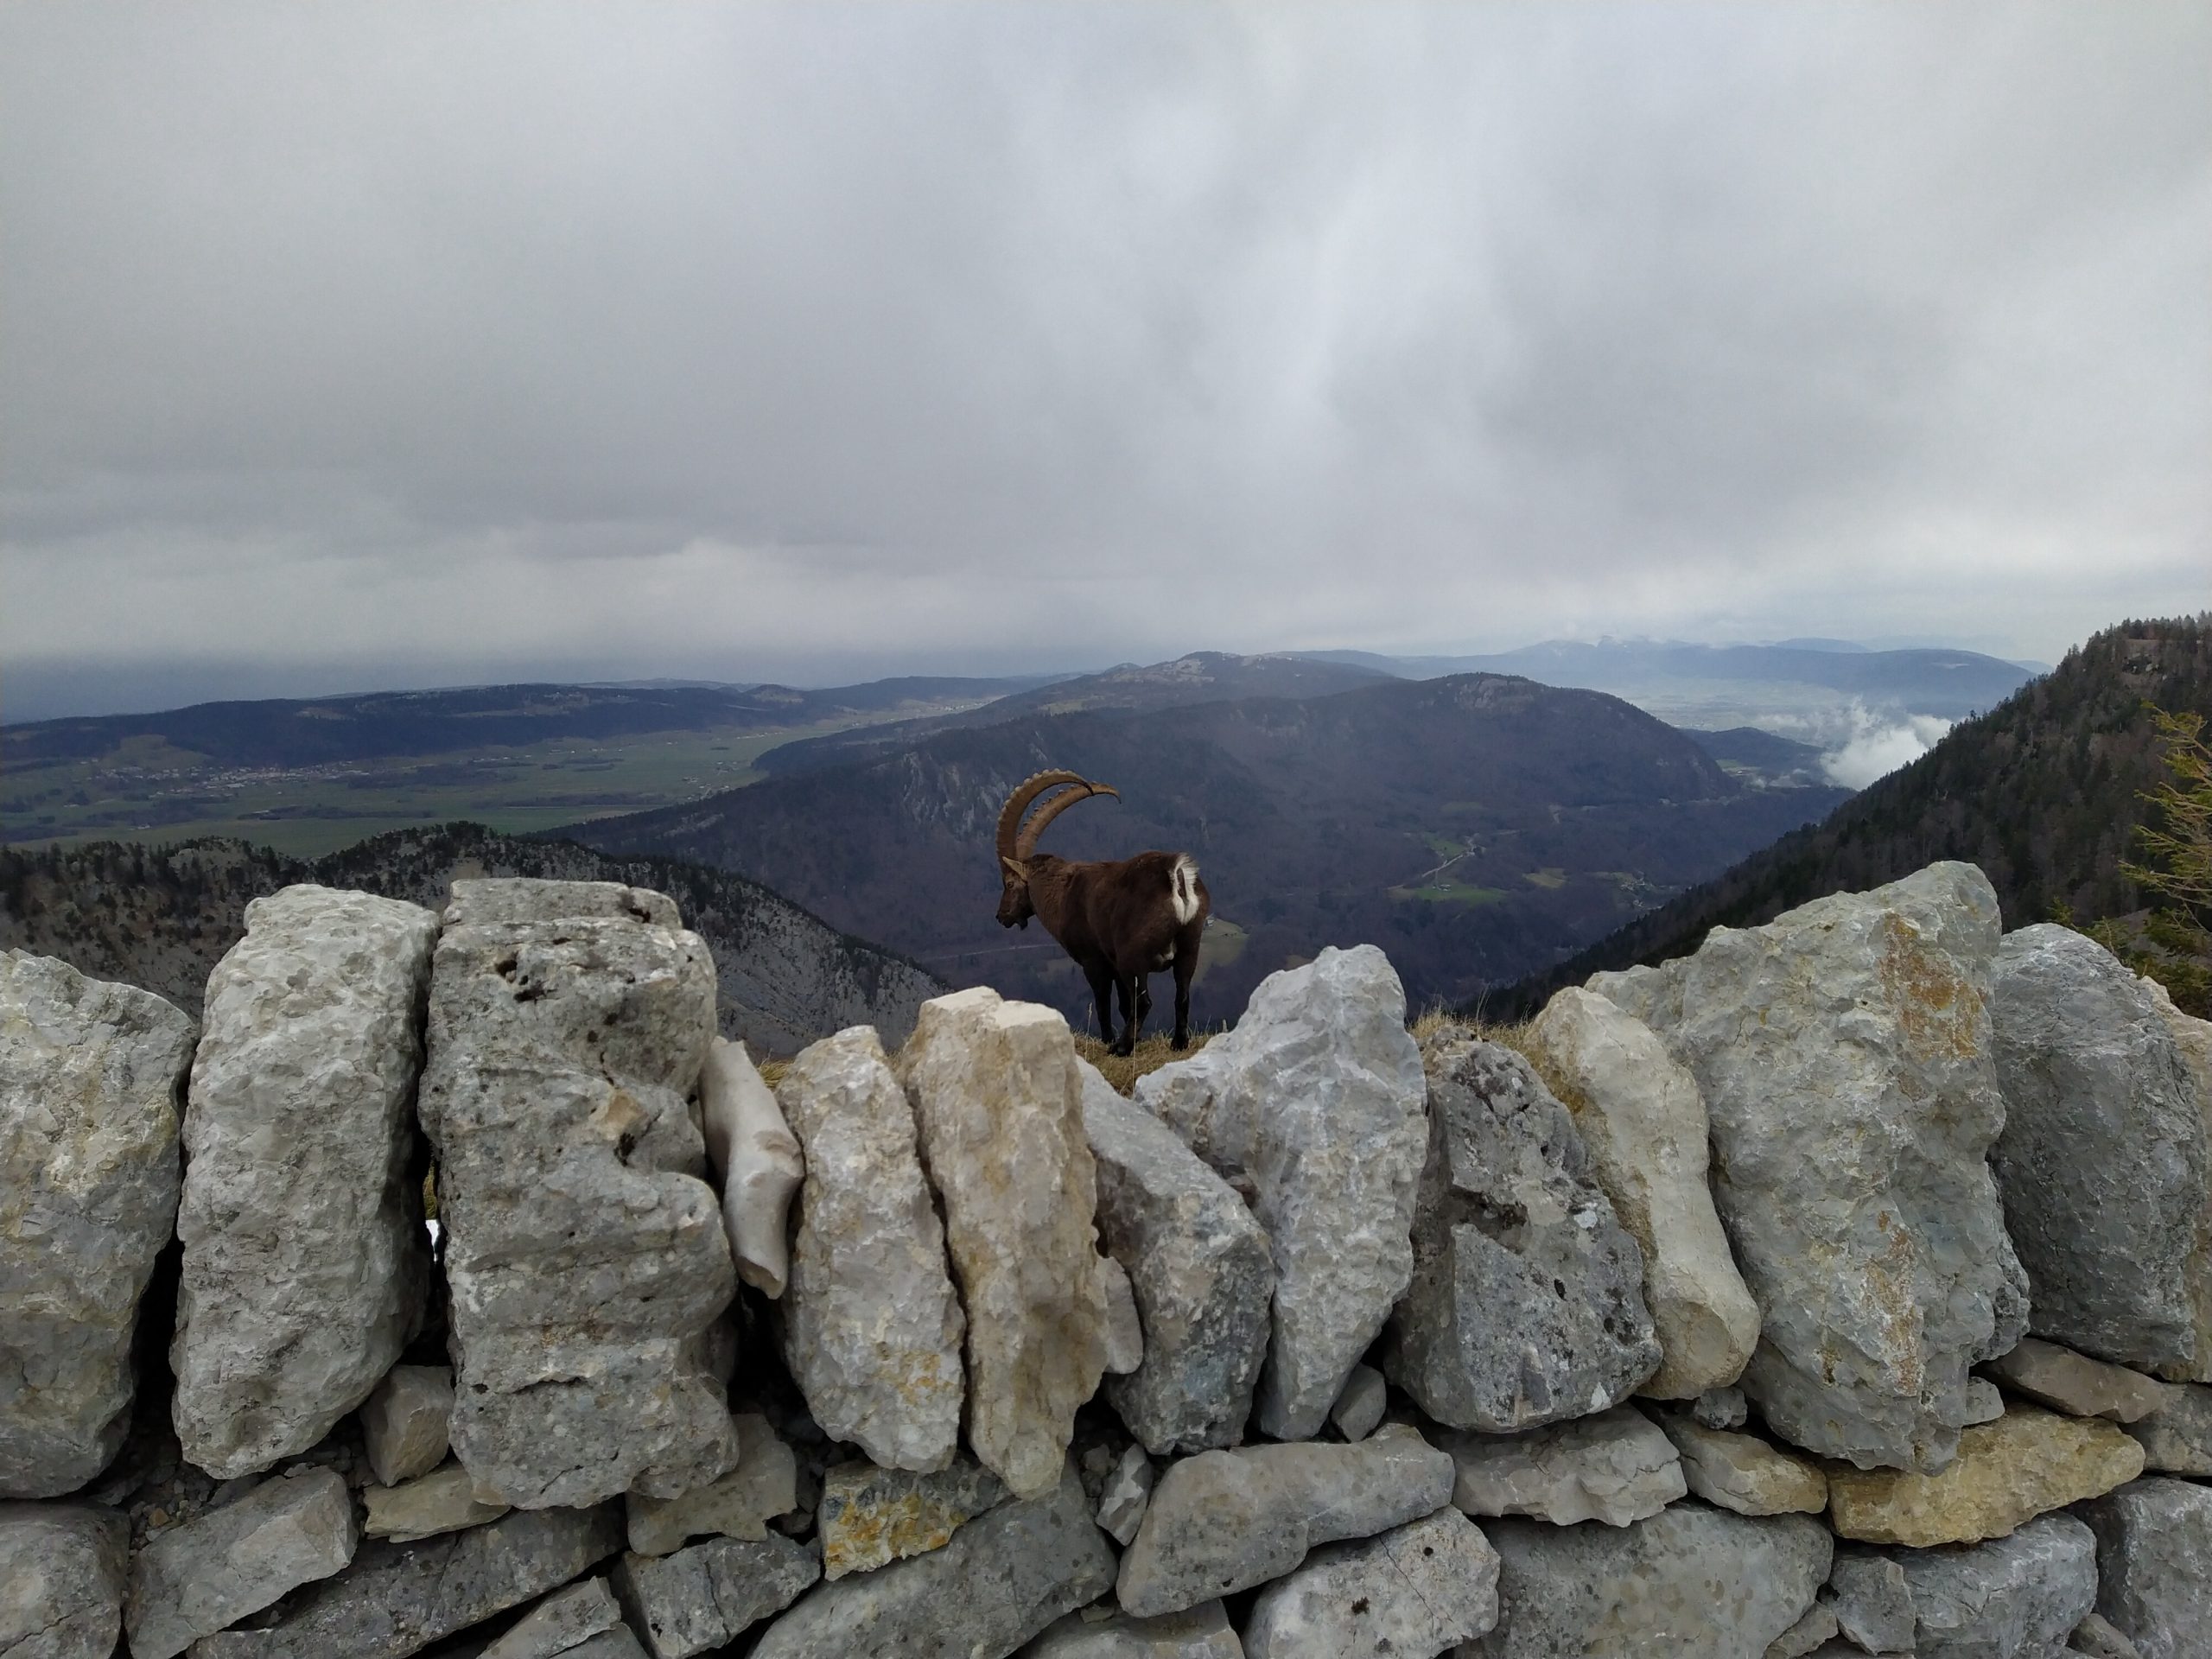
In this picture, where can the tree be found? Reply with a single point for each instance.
(2174, 944)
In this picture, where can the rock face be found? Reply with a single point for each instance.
(1616, 1467)
(62, 1580)
(1004, 1576)
(2023, 1464)
(702, 1597)
(872, 1327)
(1317, 1100)
(2176, 1439)
(763, 1485)
(1525, 1304)
(2023, 1595)
(1202, 1632)
(1689, 1580)
(1200, 1270)
(1743, 1474)
(999, 1104)
(397, 1599)
(1845, 1055)
(1225, 1521)
(194, 1580)
(305, 1259)
(869, 1516)
(585, 1257)
(1643, 1122)
(403, 1421)
(1416, 1589)
(89, 1079)
(2154, 1565)
(2080, 1386)
(2102, 1160)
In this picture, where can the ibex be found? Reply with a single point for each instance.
(1123, 921)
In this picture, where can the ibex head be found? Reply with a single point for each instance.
(1018, 840)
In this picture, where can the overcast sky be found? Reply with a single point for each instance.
(357, 344)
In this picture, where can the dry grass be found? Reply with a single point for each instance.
(1123, 1070)
(772, 1071)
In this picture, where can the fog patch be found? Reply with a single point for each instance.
(1879, 744)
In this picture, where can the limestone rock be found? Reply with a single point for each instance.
(2102, 1160)
(1872, 1598)
(1416, 1589)
(2100, 1638)
(564, 1620)
(707, 1595)
(1527, 1301)
(1199, 1270)
(395, 1599)
(1124, 1330)
(211, 1571)
(1127, 1492)
(999, 1104)
(2022, 1594)
(1984, 1404)
(2026, 1463)
(740, 1505)
(2177, 1439)
(1004, 1576)
(1315, 1100)
(584, 1256)
(89, 1079)
(872, 1327)
(1727, 1408)
(1845, 1055)
(1689, 1581)
(2154, 1565)
(2077, 1385)
(1199, 1632)
(1743, 1472)
(403, 1421)
(615, 1643)
(62, 1580)
(442, 1501)
(1225, 1521)
(2193, 1043)
(1615, 1467)
(305, 1259)
(1805, 1636)
(1643, 1122)
(1360, 1407)
(757, 1160)
(869, 1516)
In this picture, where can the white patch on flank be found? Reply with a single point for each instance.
(1184, 884)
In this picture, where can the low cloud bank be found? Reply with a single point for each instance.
(1879, 744)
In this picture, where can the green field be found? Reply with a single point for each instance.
(1450, 892)
(145, 790)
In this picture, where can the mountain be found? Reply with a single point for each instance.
(1761, 756)
(161, 918)
(2044, 793)
(1201, 676)
(1475, 827)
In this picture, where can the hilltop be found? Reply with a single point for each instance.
(161, 918)
(2044, 793)
(1475, 827)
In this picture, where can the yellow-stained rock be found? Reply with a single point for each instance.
(2007, 1472)
(870, 1516)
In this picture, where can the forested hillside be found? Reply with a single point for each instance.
(2044, 792)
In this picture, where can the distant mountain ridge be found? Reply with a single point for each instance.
(161, 918)
(1474, 827)
(2044, 793)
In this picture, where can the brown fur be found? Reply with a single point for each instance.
(1117, 920)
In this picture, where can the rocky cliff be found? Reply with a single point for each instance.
(1841, 1288)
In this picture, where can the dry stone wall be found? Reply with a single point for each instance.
(1691, 1324)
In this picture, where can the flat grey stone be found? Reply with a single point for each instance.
(1727, 1408)
(2177, 1437)
(2077, 1385)
(403, 1421)
(212, 1570)
(1199, 1632)
(1199, 1268)
(1127, 1493)
(707, 1595)
(1004, 1576)
(2099, 1638)
(1225, 1521)
(442, 1501)
(617, 1643)
(395, 1599)
(585, 1257)
(1689, 1580)
(2022, 1594)
(1360, 1407)
(90, 1079)
(2154, 1564)
(305, 1257)
(62, 1580)
(739, 1504)
(1846, 1057)
(1616, 1467)
(1315, 1100)
(1743, 1472)
(1416, 1589)
(1809, 1634)
(1872, 1598)
(1984, 1403)
(2102, 1160)
(1527, 1301)
(564, 1620)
